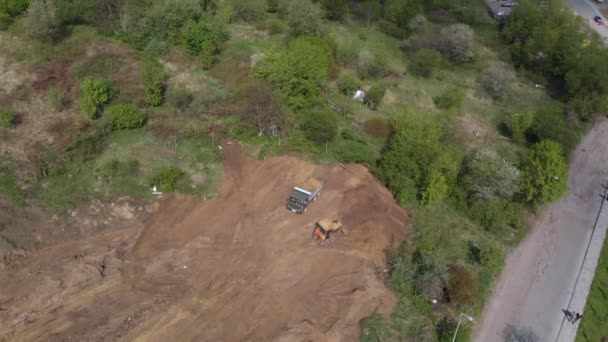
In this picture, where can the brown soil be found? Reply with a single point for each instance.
(238, 268)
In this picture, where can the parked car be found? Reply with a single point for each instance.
(507, 4)
(598, 19)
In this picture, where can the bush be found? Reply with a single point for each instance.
(496, 215)
(41, 21)
(272, 6)
(378, 127)
(486, 175)
(463, 287)
(94, 94)
(425, 62)
(7, 118)
(370, 65)
(167, 179)
(348, 84)
(276, 26)
(125, 116)
(374, 96)
(14, 7)
(303, 18)
(544, 173)
(550, 123)
(456, 43)
(335, 9)
(57, 99)
(250, 10)
(495, 81)
(417, 23)
(179, 98)
(320, 127)
(299, 73)
(153, 74)
(451, 98)
(519, 124)
(355, 152)
(347, 51)
(203, 39)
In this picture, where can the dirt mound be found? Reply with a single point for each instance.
(240, 267)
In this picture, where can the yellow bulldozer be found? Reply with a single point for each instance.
(325, 227)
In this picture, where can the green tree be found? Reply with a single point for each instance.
(299, 72)
(436, 188)
(320, 127)
(94, 94)
(374, 96)
(154, 76)
(203, 39)
(303, 18)
(544, 173)
(41, 21)
(335, 9)
(397, 15)
(125, 116)
(425, 62)
(519, 124)
(414, 159)
(348, 84)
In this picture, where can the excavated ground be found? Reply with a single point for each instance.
(238, 268)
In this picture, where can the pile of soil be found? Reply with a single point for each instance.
(239, 267)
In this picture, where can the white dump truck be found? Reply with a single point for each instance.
(304, 194)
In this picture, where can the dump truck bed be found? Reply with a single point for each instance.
(310, 185)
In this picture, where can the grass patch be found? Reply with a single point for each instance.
(593, 325)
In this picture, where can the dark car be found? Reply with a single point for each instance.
(597, 19)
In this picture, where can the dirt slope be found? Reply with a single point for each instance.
(238, 268)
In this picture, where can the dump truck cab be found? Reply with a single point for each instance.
(302, 195)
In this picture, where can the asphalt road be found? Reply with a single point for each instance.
(587, 10)
(540, 274)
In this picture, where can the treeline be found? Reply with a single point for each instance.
(556, 46)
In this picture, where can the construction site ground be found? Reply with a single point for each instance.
(240, 267)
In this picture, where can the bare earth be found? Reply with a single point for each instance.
(540, 274)
(237, 268)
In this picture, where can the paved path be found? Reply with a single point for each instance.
(540, 275)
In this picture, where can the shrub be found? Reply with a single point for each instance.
(417, 23)
(57, 99)
(496, 215)
(486, 175)
(167, 179)
(299, 72)
(272, 6)
(303, 18)
(335, 9)
(203, 39)
(320, 127)
(14, 7)
(125, 116)
(463, 287)
(179, 98)
(456, 43)
(495, 81)
(374, 96)
(370, 65)
(550, 123)
(41, 21)
(378, 127)
(348, 84)
(153, 74)
(451, 98)
(544, 173)
(355, 152)
(347, 51)
(519, 124)
(425, 62)
(250, 10)
(276, 26)
(7, 118)
(94, 94)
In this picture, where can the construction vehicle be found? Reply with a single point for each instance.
(325, 227)
(304, 194)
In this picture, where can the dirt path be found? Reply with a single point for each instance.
(238, 268)
(539, 276)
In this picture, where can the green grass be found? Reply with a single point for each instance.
(594, 325)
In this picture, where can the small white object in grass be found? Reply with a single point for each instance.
(359, 96)
(434, 301)
(220, 147)
(185, 267)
